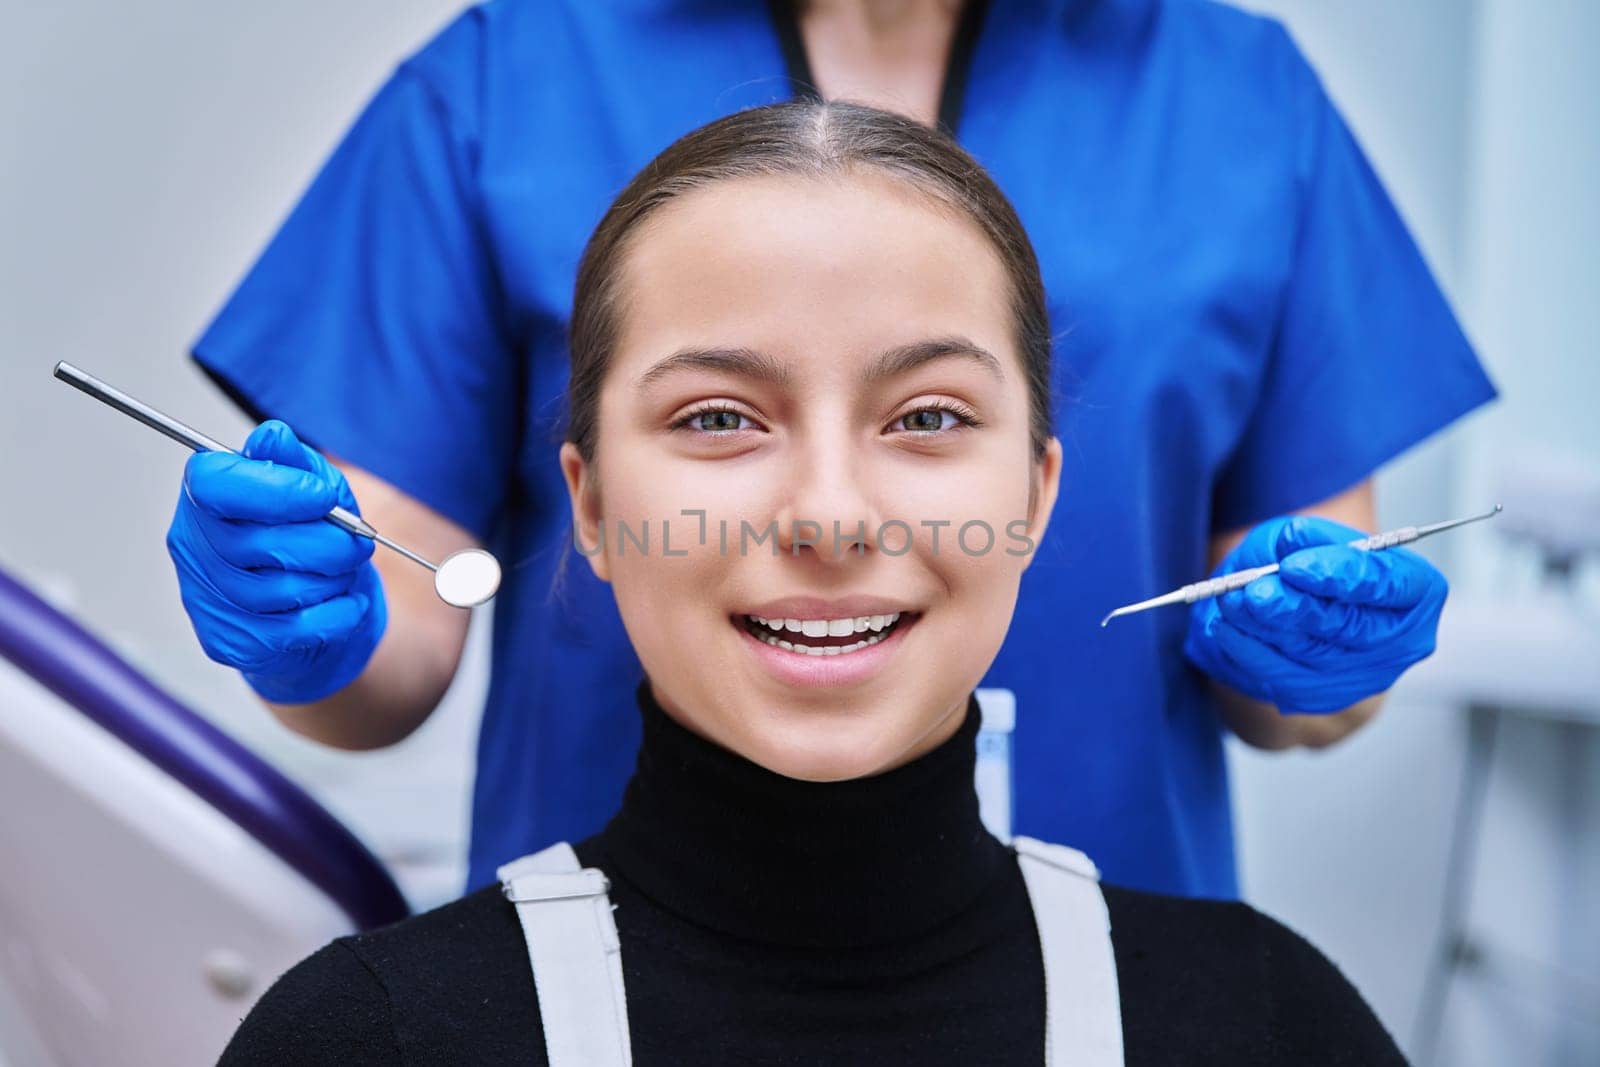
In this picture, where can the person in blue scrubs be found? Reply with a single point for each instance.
(1244, 329)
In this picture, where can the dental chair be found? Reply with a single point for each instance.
(155, 876)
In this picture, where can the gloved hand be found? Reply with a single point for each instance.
(292, 601)
(1335, 624)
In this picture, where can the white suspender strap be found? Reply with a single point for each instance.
(1083, 1010)
(577, 960)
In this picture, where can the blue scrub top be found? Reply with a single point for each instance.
(1244, 328)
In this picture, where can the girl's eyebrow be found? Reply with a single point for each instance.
(761, 366)
(903, 358)
(742, 362)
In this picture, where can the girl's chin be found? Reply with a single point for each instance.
(824, 769)
(829, 751)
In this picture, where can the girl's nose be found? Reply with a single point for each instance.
(828, 505)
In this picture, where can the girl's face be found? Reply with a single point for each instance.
(794, 357)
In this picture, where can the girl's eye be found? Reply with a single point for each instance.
(935, 418)
(713, 420)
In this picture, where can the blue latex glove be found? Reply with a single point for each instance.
(292, 601)
(1334, 626)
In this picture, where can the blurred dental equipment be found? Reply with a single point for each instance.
(158, 874)
(462, 579)
(1239, 579)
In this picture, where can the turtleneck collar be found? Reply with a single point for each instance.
(732, 846)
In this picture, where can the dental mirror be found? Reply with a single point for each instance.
(467, 578)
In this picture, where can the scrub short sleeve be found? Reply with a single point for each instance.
(373, 321)
(1367, 358)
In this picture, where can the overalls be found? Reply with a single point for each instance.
(566, 919)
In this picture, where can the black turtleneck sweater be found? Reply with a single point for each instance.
(765, 920)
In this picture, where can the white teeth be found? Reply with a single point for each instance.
(827, 627)
(821, 627)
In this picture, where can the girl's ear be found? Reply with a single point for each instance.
(1046, 482)
(588, 529)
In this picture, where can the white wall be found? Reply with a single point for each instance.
(150, 149)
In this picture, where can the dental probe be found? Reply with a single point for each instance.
(1238, 579)
(462, 579)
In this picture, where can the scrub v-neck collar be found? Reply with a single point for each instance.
(958, 65)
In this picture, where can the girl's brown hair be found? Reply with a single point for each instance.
(810, 138)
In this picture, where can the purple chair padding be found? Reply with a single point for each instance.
(77, 667)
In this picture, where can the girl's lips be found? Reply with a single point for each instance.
(847, 668)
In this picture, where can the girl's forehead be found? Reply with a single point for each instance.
(836, 265)
(838, 210)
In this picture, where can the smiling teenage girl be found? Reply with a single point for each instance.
(801, 319)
